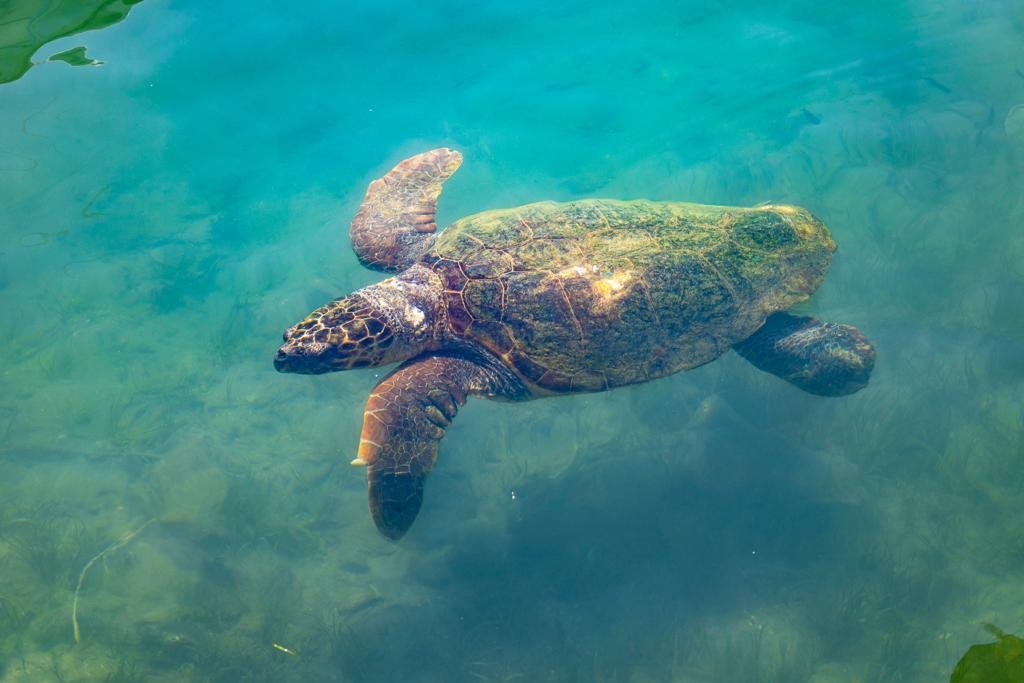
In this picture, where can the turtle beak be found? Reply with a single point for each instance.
(301, 355)
(301, 359)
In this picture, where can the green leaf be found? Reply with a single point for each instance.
(27, 25)
(75, 57)
(998, 662)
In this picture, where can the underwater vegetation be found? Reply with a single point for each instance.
(27, 25)
(85, 570)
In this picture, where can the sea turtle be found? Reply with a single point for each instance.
(557, 298)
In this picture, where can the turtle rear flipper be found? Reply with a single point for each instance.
(827, 359)
(396, 222)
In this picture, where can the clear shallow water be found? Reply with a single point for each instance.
(165, 216)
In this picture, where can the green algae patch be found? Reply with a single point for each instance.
(75, 57)
(27, 25)
(998, 662)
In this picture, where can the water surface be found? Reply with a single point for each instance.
(163, 218)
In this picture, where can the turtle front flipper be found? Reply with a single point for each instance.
(405, 418)
(827, 359)
(396, 222)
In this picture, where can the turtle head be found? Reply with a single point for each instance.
(388, 322)
(345, 333)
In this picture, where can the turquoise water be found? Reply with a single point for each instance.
(166, 215)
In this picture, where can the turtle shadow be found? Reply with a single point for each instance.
(598, 567)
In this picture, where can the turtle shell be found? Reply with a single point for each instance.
(594, 294)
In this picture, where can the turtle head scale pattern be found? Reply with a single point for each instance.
(388, 322)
